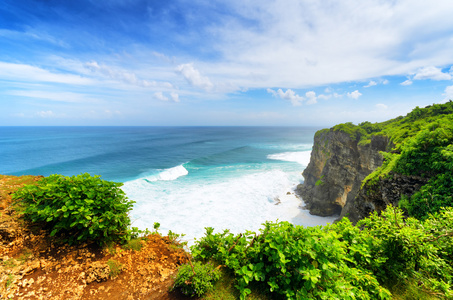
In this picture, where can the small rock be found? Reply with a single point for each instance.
(98, 272)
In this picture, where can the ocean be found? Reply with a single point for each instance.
(185, 178)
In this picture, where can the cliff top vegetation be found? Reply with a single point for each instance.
(421, 145)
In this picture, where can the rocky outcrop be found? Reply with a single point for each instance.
(336, 170)
(386, 191)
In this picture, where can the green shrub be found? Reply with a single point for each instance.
(437, 193)
(196, 279)
(355, 132)
(413, 249)
(78, 208)
(293, 262)
(339, 261)
(115, 268)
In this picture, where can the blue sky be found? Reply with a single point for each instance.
(236, 62)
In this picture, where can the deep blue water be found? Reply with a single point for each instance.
(186, 178)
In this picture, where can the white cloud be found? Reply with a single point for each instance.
(371, 83)
(354, 95)
(312, 38)
(407, 82)
(45, 114)
(160, 96)
(311, 96)
(325, 97)
(194, 77)
(28, 73)
(290, 95)
(54, 96)
(173, 96)
(448, 93)
(432, 73)
(163, 57)
(385, 81)
(33, 33)
(381, 106)
(123, 76)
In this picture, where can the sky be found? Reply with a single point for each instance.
(221, 63)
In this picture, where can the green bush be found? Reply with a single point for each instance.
(437, 193)
(339, 261)
(294, 262)
(78, 208)
(196, 279)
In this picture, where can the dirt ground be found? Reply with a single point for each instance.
(33, 267)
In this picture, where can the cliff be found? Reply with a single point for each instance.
(407, 161)
(337, 167)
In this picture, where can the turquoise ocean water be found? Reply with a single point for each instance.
(185, 178)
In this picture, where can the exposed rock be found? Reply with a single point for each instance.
(338, 164)
(8, 232)
(98, 271)
(387, 191)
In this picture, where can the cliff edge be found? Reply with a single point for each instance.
(337, 167)
(407, 161)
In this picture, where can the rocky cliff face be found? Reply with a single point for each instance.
(336, 170)
(387, 191)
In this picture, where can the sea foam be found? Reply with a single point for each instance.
(235, 202)
(301, 157)
(168, 174)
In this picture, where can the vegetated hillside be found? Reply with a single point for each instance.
(406, 161)
(36, 265)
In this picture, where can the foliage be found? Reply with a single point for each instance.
(437, 193)
(9, 281)
(355, 132)
(175, 239)
(422, 143)
(115, 268)
(197, 278)
(156, 227)
(224, 289)
(339, 261)
(429, 152)
(388, 164)
(411, 248)
(78, 208)
(133, 244)
(319, 181)
(293, 261)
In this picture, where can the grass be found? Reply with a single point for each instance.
(115, 268)
(133, 244)
(224, 289)
(10, 263)
(411, 290)
(9, 281)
